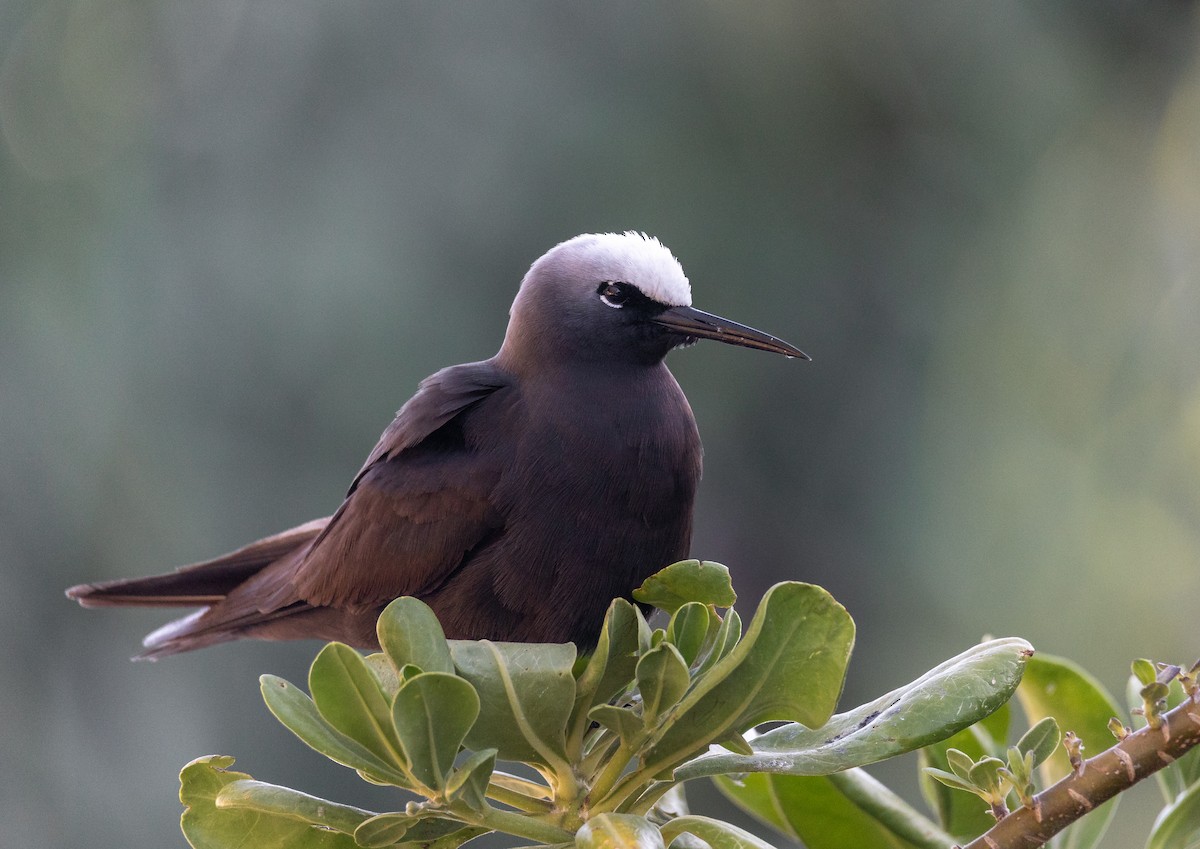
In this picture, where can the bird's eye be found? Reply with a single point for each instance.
(613, 295)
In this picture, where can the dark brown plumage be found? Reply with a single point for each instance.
(516, 496)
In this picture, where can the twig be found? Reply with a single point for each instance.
(1099, 779)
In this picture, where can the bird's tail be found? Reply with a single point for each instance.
(200, 583)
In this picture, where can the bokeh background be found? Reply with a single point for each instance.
(234, 235)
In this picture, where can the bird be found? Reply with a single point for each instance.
(516, 496)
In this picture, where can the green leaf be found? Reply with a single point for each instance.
(385, 673)
(948, 698)
(384, 830)
(440, 834)
(1178, 824)
(208, 827)
(348, 696)
(662, 676)
(1041, 740)
(1020, 768)
(849, 810)
(985, 774)
(687, 580)
(409, 632)
(1155, 691)
(298, 713)
(622, 721)
(469, 781)
(1145, 671)
(1185, 771)
(610, 669)
(1056, 687)
(618, 831)
(728, 634)
(389, 829)
(790, 665)
(432, 714)
(960, 814)
(960, 762)
(717, 834)
(951, 779)
(735, 743)
(689, 630)
(282, 801)
(526, 693)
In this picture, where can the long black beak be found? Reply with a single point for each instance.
(688, 321)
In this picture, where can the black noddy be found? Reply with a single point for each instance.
(515, 496)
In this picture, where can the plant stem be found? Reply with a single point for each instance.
(596, 755)
(517, 799)
(650, 796)
(1098, 779)
(892, 812)
(519, 825)
(611, 773)
(627, 786)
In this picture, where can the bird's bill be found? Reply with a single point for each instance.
(688, 321)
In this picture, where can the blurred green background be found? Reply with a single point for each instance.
(234, 235)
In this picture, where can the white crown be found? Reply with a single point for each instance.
(637, 259)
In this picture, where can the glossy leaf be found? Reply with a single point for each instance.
(689, 629)
(951, 779)
(610, 669)
(348, 695)
(622, 721)
(1144, 671)
(948, 698)
(208, 827)
(296, 711)
(985, 774)
(1041, 740)
(728, 634)
(662, 676)
(409, 632)
(687, 580)
(423, 836)
(960, 762)
(470, 779)
(1178, 824)
(1059, 688)
(385, 673)
(383, 830)
(790, 665)
(735, 743)
(960, 814)
(432, 714)
(526, 693)
(415, 832)
(618, 831)
(282, 801)
(717, 834)
(849, 810)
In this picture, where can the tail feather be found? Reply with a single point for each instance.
(194, 632)
(204, 583)
(246, 593)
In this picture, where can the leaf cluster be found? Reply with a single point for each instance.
(1153, 689)
(601, 741)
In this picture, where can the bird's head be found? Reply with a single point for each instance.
(615, 298)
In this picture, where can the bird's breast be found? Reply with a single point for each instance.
(624, 450)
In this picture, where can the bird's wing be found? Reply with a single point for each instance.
(420, 504)
(440, 398)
